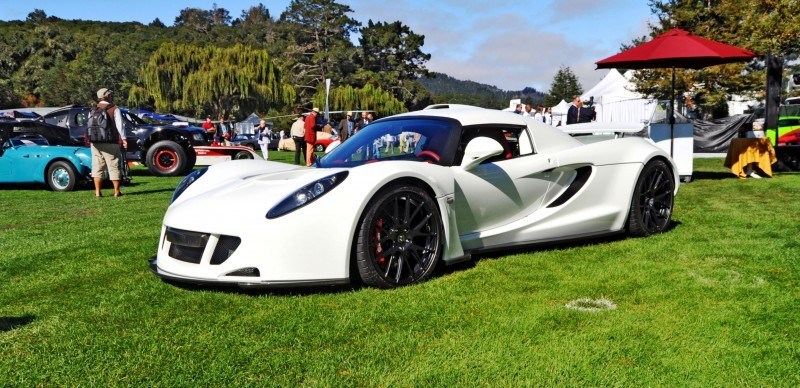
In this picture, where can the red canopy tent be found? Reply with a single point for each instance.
(676, 48)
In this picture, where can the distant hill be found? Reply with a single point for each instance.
(446, 89)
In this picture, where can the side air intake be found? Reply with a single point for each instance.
(583, 174)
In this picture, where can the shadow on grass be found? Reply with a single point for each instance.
(712, 175)
(276, 291)
(559, 245)
(126, 193)
(11, 323)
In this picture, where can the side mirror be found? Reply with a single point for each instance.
(478, 150)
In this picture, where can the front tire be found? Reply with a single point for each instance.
(653, 200)
(61, 176)
(166, 158)
(319, 148)
(399, 238)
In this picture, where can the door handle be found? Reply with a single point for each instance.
(26, 156)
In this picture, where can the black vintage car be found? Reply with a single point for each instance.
(166, 150)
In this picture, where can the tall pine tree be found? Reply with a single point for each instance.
(564, 86)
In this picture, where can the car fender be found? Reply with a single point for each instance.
(365, 181)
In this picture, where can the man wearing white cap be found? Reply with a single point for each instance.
(106, 151)
(346, 127)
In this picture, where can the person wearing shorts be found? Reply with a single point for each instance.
(107, 155)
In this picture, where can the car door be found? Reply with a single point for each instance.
(503, 189)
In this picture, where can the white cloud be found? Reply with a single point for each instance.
(512, 48)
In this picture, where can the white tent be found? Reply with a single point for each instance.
(615, 100)
(559, 113)
(247, 125)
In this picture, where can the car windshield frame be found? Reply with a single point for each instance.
(434, 135)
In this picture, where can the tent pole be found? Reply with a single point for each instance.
(672, 117)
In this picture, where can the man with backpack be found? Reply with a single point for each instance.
(104, 132)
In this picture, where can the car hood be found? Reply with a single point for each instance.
(250, 183)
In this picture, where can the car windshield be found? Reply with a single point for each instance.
(133, 118)
(28, 141)
(412, 139)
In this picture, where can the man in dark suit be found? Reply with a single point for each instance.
(574, 112)
(362, 122)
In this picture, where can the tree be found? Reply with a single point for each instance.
(157, 23)
(758, 25)
(317, 36)
(257, 15)
(219, 16)
(210, 80)
(195, 18)
(36, 17)
(256, 28)
(366, 98)
(564, 86)
(392, 58)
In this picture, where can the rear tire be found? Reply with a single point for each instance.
(191, 160)
(653, 200)
(166, 158)
(242, 155)
(61, 176)
(399, 239)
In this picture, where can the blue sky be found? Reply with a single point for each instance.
(507, 44)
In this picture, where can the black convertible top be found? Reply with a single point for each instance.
(54, 134)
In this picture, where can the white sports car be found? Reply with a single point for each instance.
(407, 193)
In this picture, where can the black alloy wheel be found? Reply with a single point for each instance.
(400, 238)
(653, 200)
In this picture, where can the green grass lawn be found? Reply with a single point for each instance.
(715, 301)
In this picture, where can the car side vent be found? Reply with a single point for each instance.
(185, 245)
(249, 271)
(583, 174)
(224, 249)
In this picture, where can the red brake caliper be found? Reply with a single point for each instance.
(378, 247)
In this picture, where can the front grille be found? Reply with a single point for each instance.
(185, 245)
(187, 254)
(224, 249)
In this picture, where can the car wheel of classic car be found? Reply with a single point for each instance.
(319, 148)
(166, 158)
(653, 198)
(61, 176)
(242, 155)
(399, 237)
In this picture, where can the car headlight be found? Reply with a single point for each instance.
(186, 182)
(307, 194)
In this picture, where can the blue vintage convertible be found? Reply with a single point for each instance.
(35, 152)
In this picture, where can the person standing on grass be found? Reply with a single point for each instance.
(264, 137)
(310, 135)
(297, 132)
(346, 127)
(107, 155)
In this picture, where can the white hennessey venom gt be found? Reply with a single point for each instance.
(409, 192)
